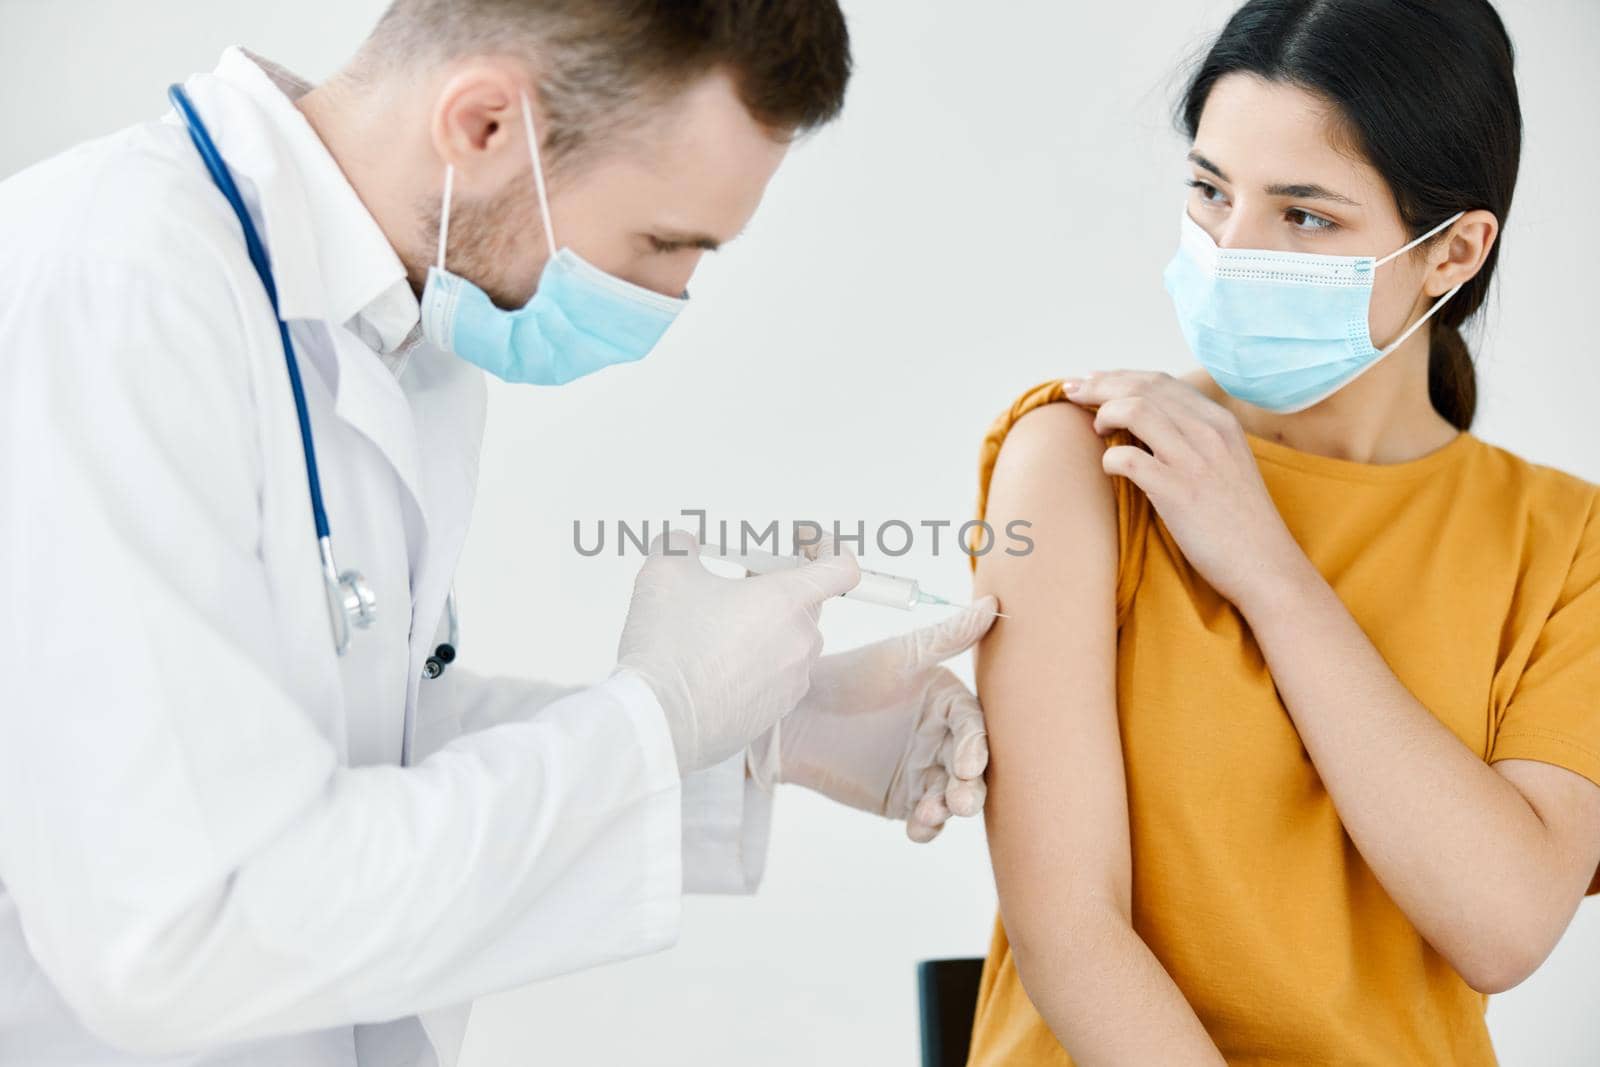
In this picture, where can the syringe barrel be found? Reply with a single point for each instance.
(756, 562)
(875, 587)
(885, 589)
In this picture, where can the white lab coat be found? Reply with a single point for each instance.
(208, 852)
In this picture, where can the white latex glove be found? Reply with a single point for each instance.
(886, 729)
(726, 657)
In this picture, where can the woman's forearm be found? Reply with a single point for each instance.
(1455, 844)
(1105, 996)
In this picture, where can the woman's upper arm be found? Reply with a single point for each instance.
(1057, 810)
(1569, 806)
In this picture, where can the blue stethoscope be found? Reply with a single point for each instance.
(351, 601)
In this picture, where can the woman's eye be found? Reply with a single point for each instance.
(1208, 192)
(1305, 220)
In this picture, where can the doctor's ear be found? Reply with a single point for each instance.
(1465, 247)
(477, 126)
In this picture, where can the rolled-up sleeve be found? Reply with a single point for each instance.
(1553, 715)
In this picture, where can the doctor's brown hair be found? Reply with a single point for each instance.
(602, 64)
(1427, 94)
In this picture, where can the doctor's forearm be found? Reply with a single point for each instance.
(483, 701)
(726, 817)
(493, 863)
(1456, 845)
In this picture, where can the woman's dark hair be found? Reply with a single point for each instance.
(1427, 94)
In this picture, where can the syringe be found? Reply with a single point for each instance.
(875, 587)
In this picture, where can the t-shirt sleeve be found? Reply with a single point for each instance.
(1554, 712)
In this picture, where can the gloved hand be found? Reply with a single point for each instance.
(886, 729)
(726, 657)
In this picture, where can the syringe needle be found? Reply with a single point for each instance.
(929, 598)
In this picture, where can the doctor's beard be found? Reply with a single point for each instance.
(484, 243)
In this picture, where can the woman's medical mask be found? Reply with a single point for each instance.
(1280, 330)
(579, 320)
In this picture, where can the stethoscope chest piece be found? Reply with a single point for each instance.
(351, 602)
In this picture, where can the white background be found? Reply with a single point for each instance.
(994, 209)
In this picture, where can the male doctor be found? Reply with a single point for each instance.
(213, 849)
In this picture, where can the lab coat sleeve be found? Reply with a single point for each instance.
(190, 862)
(727, 817)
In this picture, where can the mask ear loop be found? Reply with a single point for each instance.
(538, 174)
(1415, 326)
(409, 345)
(538, 180)
(1437, 304)
(444, 213)
(1397, 253)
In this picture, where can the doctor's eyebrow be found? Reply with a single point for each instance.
(670, 239)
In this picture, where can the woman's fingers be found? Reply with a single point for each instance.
(1144, 402)
(1186, 430)
(1096, 387)
(1147, 418)
(1138, 466)
(1183, 401)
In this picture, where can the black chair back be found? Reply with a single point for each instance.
(947, 991)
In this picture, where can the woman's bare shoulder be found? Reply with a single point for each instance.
(1048, 475)
(1050, 452)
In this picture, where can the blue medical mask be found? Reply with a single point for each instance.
(1280, 330)
(579, 320)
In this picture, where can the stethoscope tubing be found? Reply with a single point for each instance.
(350, 600)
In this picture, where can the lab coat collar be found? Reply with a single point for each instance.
(331, 258)
(333, 266)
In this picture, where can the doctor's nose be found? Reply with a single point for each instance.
(670, 277)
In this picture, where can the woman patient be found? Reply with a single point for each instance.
(1295, 721)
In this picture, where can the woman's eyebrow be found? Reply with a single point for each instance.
(1295, 190)
(1205, 164)
(1308, 191)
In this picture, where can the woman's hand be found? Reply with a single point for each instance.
(1200, 476)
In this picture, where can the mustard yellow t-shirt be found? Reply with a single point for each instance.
(1477, 575)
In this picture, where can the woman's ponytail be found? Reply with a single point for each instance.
(1452, 379)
